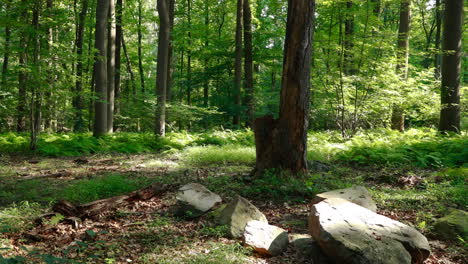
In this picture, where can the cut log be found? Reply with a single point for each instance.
(92, 209)
(49, 175)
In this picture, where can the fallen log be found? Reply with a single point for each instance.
(92, 209)
(49, 175)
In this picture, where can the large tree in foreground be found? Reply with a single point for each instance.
(282, 143)
(100, 69)
(451, 66)
(163, 65)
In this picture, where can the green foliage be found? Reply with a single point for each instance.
(219, 155)
(19, 216)
(417, 148)
(214, 231)
(88, 190)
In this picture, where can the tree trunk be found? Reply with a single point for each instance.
(437, 56)
(163, 65)
(111, 67)
(282, 143)
(171, 51)
(398, 117)
(79, 105)
(140, 55)
(206, 81)
(238, 64)
(22, 74)
(100, 69)
(118, 61)
(451, 66)
(189, 53)
(6, 55)
(248, 64)
(36, 93)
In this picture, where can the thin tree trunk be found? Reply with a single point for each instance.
(248, 64)
(163, 65)
(238, 64)
(118, 60)
(451, 66)
(79, 123)
(206, 81)
(129, 67)
(22, 74)
(140, 55)
(437, 56)
(100, 69)
(171, 51)
(282, 143)
(189, 53)
(36, 93)
(398, 118)
(111, 67)
(6, 55)
(50, 113)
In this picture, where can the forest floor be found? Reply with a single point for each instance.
(148, 232)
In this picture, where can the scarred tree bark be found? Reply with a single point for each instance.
(451, 66)
(282, 143)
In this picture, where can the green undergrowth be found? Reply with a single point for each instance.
(46, 191)
(423, 148)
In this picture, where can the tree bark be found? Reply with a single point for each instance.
(140, 52)
(206, 81)
(248, 64)
(79, 105)
(100, 69)
(118, 60)
(163, 65)
(238, 64)
(6, 55)
(398, 118)
(451, 66)
(282, 143)
(111, 67)
(189, 53)
(437, 56)
(22, 74)
(171, 51)
(36, 93)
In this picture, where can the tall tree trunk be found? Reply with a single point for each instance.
(238, 64)
(111, 67)
(118, 60)
(163, 65)
(79, 104)
(171, 51)
(398, 118)
(248, 64)
(50, 112)
(129, 67)
(282, 143)
(140, 55)
(451, 66)
(437, 56)
(206, 81)
(6, 55)
(189, 53)
(100, 69)
(36, 93)
(22, 73)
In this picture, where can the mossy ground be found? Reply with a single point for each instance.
(412, 190)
